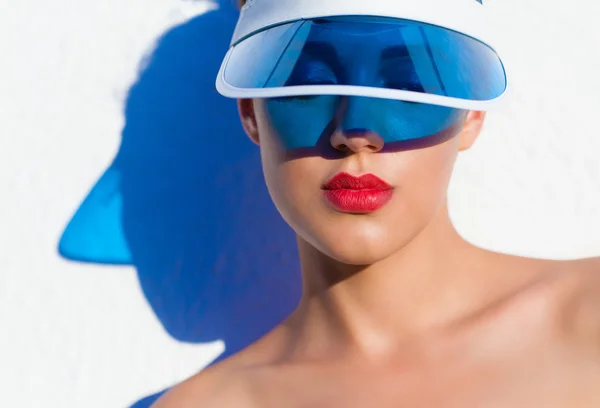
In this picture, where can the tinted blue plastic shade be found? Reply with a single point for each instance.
(370, 52)
(95, 234)
(300, 122)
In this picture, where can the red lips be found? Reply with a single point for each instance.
(364, 194)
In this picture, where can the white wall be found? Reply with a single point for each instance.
(75, 335)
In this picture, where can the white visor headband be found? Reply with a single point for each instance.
(427, 51)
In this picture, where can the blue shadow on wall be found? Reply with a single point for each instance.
(185, 201)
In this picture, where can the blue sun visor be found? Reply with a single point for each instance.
(364, 56)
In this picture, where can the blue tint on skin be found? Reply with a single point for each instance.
(329, 57)
(300, 122)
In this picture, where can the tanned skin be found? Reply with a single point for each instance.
(403, 312)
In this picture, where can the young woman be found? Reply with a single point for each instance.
(360, 109)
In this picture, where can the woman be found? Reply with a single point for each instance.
(360, 109)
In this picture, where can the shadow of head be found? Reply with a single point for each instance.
(214, 258)
(185, 201)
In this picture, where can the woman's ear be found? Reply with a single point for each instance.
(471, 129)
(248, 118)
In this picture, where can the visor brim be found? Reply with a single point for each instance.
(365, 56)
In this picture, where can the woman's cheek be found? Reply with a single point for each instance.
(300, 122)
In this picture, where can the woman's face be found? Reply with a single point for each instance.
(418, 175)
(307, 141)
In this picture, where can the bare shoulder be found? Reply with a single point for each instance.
(213, 387)
(226, 384)
(560, 301)
(578, 304)
(568, 292)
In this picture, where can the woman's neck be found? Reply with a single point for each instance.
(432, 281)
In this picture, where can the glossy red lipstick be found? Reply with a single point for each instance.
(361, 195)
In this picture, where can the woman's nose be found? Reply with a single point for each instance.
(356, 141)
(355, 133)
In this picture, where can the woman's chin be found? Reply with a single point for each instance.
(359, 257)
(353, 250)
